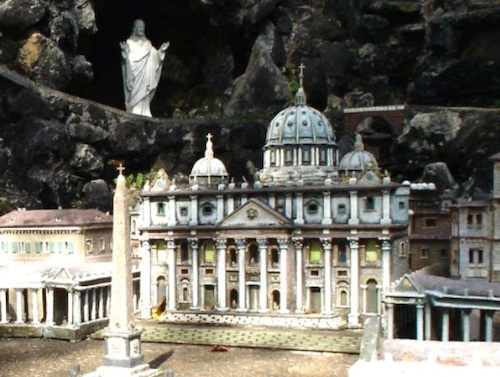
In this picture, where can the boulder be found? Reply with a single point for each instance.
(439, 174)
(21, 14)
(262, 88)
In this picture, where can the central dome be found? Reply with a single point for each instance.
(300, 145)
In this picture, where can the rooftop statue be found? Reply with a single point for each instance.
(141, 67)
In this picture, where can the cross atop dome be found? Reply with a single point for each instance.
(120, 168)
(300, 96)
(209, 151)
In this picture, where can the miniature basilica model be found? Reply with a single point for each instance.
(313, 242)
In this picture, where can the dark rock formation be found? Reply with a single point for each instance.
(238, 60)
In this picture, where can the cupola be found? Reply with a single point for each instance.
(208, 171)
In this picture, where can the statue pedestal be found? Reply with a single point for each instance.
(123, 357)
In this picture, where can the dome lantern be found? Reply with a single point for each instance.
(208, 172)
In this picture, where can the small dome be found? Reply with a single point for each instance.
(208, 171)
(358, 159)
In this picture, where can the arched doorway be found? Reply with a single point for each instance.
(233, 299)
(372, 299)
(275, 300)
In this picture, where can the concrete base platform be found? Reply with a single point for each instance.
(138, 371)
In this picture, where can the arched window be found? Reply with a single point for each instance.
(253, 254)
(275, 257)
(371, 254)
(343, 294)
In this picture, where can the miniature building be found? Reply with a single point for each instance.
(313, 242)
(430, 227)
(55, 272)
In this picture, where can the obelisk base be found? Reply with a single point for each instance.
(123, 357)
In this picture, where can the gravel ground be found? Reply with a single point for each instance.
(55, 358)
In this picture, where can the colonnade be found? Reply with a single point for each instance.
(37, 305)
(423, 313)
(293, 290)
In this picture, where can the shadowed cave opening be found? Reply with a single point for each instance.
(200, 36)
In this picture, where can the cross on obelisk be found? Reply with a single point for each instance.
(123, 341)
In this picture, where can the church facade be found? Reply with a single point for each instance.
(314, 236)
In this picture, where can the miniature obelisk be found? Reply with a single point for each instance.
(123, 340)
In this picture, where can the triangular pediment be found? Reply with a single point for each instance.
(255, 213)
(62, 275)
(406, 284)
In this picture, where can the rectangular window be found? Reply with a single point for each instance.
(341, 209)
(470, 221)
(306, 156)
(479, 221)
(38, 247)
(401, 205)
(184, 271)
(70, 247)
(476, 256)
(424, 253)
(209, 271)
(430, 223)
(443, 254)
(88, 245)
(315, 256)
(27, 247)
(288, 157)
(342, 255)
(370, 203)
(314, 273)
(322, 156)
(209, 256)
(5, 246)
(15, 247)
(184, 211)
(160, 209)
(60, 247)
(341, 273)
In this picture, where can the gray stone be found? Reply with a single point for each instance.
(440, 175)
(262, 87)
(21, 14)
(86, 160)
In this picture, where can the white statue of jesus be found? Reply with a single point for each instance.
(141, 67)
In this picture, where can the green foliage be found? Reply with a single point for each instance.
(496, 102)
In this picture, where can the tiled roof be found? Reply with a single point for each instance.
(54, 217)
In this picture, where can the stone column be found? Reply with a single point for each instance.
(145, 282)
(50, 306)
(353, 317)
(327, 208)
(77, 308)
(386, 263)
(263, 273)
(146, 212)
(390, 319)
(230, 204)
(420, 321)
(195, 271)
(283, 243)
(327, 248)
(241, 245)
(34, 301)
(86, 309)
(100, 315)
(299, 205)
(172, 289)
(288, 205)
(353, 218)
(445, 332)
(220, 207)
(428, 322)
(172, 216)
(19, 306)
(386, 208)
(299, 275)
(70, 305)
(488, 326)
(3, 306)
(93, 304)
(466, 325)
(220, 245)
(194, 210)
